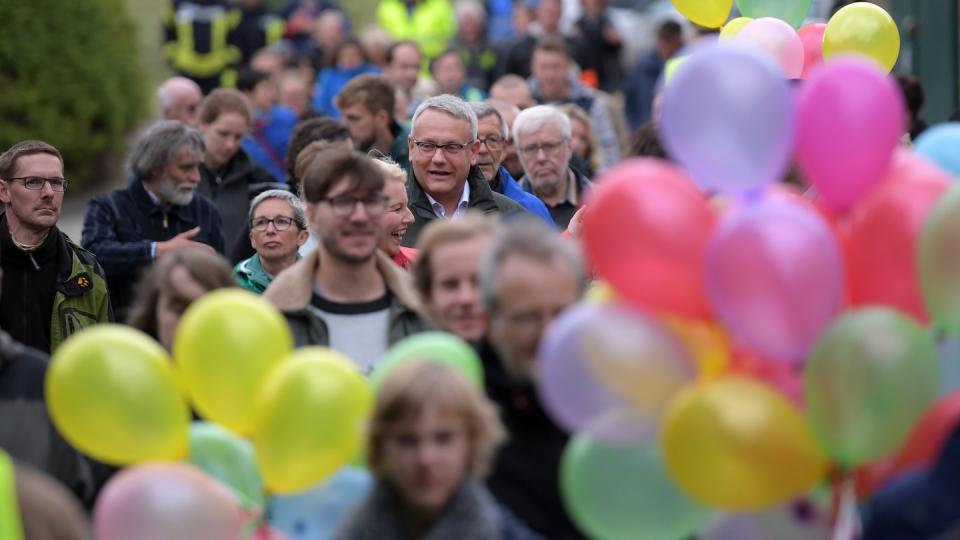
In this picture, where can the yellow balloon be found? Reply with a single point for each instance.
(732, 28)
(739, 445)
(309, 419)
(706, 13)
(671, 67)
(705, 342)
(111, 392)
(226, 345)
(863, 28)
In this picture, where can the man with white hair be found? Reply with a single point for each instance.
(178, 98)
(445, 181)
(542, 136)
(158, 212)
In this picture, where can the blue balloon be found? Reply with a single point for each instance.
(316, 513)
(941, 145)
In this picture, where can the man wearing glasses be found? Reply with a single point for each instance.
(445, 180)
(52, 288)
(494, 137)
(542, 135)
(346, 294)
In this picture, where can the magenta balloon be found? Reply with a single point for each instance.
(778, 39)
(727, 118)
(775, 277)
(850, 117)
(812, 38)
(169, 501)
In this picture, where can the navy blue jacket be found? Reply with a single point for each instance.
(121, 227)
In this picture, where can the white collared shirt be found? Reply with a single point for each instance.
(462, 206)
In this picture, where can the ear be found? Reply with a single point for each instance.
(474, 152)
(410, 144)
(383, 117)
(4, 192)
(311, 216)
(251, 240)
(302, 237)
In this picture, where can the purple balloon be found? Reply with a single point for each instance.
(775, 277)
(727, 117)
(572, 396)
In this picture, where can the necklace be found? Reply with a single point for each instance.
(27, 247)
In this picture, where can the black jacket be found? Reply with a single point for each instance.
(231, 190)
(526, 473)
(121, 227)
(26, 432)
(482, 198)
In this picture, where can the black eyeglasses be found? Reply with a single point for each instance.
(280, 223)
(493, 142)
(549, 148)
(450, 149)
(343, 205)
(35, 183)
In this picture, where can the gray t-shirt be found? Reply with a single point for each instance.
(358, 331)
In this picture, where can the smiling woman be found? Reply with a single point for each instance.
(398, 216)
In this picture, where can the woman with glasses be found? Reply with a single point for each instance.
(278, 227)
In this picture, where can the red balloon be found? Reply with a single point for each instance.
(881, 235)
(645, 232)
(811, 36)
(922, 447)
(786, 378)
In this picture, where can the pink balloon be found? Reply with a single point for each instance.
(812, 38)
(775, 277)
(850, 117)
(168, 501)
(777, 38)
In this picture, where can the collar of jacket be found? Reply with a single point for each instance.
(583, 184)
(73, 277)
(481, 196)
(239, 166)
(252, 270)
(146, 205)
(292, 289)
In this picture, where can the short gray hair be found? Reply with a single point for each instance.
(483, 110)
(532, 238)
(463, 7)
(451, 105)
(299, 213)
(535, 118)
(162, 141)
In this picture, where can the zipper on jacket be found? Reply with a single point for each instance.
(166, 224)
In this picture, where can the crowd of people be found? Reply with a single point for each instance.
(429, 174)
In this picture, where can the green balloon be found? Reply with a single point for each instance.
(433, 346)
(624, 492)
(791, 11)
(939, 264)
(869, 379)
(228, 458)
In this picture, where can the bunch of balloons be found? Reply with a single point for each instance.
(774, 27)
(280, 425)
(745, 323)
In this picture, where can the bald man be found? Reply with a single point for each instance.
(513, 89)
(179, 99)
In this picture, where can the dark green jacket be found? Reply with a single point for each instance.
(82, 298)
(482, 198)
(292, 290)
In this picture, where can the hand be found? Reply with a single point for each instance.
(182, 240)
(575, 227)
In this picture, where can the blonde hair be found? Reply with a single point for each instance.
(593, 152)
(411, 386)
(441, 232)
(391, 170)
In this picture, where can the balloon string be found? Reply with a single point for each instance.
(848, 518)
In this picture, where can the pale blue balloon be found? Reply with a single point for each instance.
(316, 513)
(941, 145)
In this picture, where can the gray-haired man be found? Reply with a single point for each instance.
(445, 180)
(158, 212)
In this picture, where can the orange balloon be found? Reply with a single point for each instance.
(706, 343)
